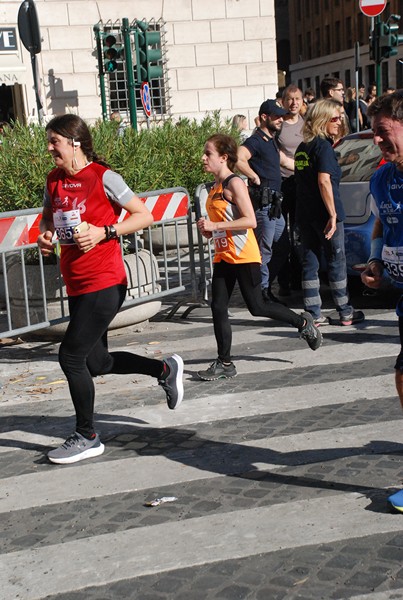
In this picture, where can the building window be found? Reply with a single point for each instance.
(370, 74)
(308, 45)
(327, 40)
(317, 43)
(337, 37)
(317, 86)
(299, 48)
(347, 78)
(349, 33)
(361, 36)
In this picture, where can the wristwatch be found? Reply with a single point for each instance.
(113, 234)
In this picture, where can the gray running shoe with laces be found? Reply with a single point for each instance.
(76, 448)
(172, 384)
(310, 333)
(217, 370)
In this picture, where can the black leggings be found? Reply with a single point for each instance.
(83, 353)
(249, 279)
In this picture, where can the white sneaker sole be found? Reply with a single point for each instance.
(90, 453)
(179, 380)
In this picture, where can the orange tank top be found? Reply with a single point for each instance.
(236, 246)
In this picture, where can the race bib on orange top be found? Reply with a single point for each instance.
(220, 241)
(232, 246)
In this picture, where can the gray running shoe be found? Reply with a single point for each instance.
(76, 448)
(310, 333)
(172, 384)
(217, 370)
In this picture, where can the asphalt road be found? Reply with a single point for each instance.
(280, 475)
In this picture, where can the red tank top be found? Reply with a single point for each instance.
(82, 198)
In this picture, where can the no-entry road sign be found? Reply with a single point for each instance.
(372, 8)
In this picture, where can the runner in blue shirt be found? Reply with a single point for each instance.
(386, 186)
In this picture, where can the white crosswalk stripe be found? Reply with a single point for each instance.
(304, 446)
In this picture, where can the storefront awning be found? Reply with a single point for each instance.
(11, 69)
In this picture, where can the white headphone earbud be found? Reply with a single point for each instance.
(76, 144)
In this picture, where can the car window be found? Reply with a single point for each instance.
(358, 158)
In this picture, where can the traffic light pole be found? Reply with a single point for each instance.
(378, 73)
(130, 73)
(357, 69)
(101, 72)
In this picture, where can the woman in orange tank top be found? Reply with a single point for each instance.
(230, 223)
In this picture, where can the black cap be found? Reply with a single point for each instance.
(270, 107)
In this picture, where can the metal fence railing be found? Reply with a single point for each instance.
(204, 247)
(160, 261)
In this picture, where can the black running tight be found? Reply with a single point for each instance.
(84, 352)
(248, 276)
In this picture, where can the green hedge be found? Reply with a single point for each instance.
(162, 157)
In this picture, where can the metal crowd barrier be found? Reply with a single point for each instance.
(161, 257)
(205, 247)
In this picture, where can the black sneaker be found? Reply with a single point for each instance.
(76, 448)
(310, 333)
(217, 370)
(172, 384)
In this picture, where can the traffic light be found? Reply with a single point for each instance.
(395, 38)
(113, 53)
(148, 52)
(384, 41)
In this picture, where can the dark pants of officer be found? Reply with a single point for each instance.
(289, 273)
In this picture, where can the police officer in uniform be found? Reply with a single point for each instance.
(259, 158)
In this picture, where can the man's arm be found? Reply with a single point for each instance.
(243, 167)
(286, 161)
(372, 276)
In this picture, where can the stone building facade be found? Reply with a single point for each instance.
(221, 54)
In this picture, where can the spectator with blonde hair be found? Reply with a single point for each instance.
(240, 123)
(320, 212)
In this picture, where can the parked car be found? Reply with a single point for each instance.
(358, 158)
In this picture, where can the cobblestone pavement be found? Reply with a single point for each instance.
(280, 475)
